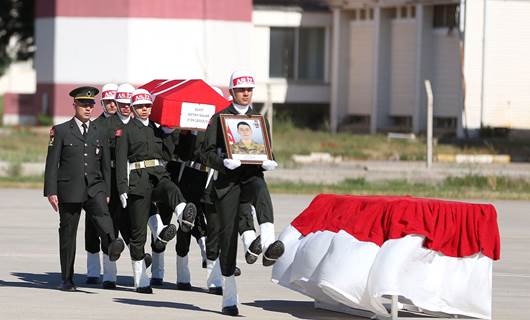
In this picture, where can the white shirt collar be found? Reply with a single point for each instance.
(80, 124)
(242, 109)
(123, 118)
(144, 122)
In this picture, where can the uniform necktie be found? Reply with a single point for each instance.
(84, 129)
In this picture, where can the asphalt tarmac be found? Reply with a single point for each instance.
(30, 272)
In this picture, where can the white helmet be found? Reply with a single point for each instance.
(240, 79)
(124, 93)
(141, 96)
(108, 92)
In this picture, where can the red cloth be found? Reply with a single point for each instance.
(456, 229)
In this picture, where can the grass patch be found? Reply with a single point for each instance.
(469, 187)
(23, 144)
(31, 182)
(289, 140)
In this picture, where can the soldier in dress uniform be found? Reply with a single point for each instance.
(77, 176)
(140, 144)
(92, 243)
(237, 184)
(246, 145)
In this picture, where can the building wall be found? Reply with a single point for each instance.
(446, 73)
(506, 65)
(402, 67)
(278, 89)
(135, 41)
(360, 91)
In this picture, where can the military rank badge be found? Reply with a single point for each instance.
(52, 137)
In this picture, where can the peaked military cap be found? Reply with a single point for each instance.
(85, 94)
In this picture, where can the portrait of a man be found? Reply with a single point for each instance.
(246, 145)
(246, 138)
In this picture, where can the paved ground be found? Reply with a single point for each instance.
(29, 273)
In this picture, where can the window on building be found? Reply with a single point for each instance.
(297, 53)
(392, 12)
(404, 12)
(281, 64)
(445, 16)
(444, 122)
(413, 12)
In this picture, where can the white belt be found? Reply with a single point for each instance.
(145, 164)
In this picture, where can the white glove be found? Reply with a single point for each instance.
(269, 165)
(123, 199)
(167, 130)
(231, 163)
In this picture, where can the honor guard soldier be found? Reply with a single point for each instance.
(142, 179)
(238, 184)
(77, 176)
(92, 243)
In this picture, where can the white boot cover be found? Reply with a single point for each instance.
(183, 272)
(213, 272)
(110, 271)
(267, 235)
(93, 266)
(178, 212)
(157, 268)
(230, 297)
(141, 279)
(155, 225)
(247, 237)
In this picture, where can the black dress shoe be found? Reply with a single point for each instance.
(168, 233)
(184, 286)
(157, 282)
(188, 217)
(273, 252)
(67, 286)
(109, 285)
(148, 260)
(216, 290)
(147, 290)
(230, 311)
(159, 245)
(204, 264)
(237, 272)
(115, 249)
(92, 280)
(253, 251)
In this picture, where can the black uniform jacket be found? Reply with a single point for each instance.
(138, 142)
(214, 151)
(77, 166)
(111, 124)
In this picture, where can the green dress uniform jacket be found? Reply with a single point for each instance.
(77, 166)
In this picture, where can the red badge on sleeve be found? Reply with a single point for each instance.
(118, 133)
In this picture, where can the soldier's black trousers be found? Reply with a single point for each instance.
(98, 212)
(119, 217)
(163, 192)
(213, 227)
(192, 185)
(231, 208)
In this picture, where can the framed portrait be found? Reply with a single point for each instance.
(246, 138)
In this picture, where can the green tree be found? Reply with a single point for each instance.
(17, 42)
